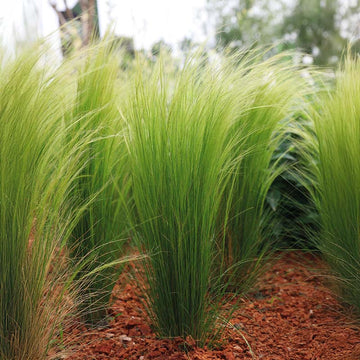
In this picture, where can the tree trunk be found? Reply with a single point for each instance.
(87, 18)
(88, 24)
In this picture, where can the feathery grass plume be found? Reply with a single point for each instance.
(266, 92)
(180, 165)
(103, 182)
(36, 174)
(334, 169)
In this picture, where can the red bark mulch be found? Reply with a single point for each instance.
(291, 315)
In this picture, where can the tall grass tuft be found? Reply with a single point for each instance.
(335, 173)
(36, 174)
(179, 157)
(267, 95)
(103, 182)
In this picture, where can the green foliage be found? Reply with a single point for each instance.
(289, 201)
(103, 183)
(36, 173)
(242, 24)
(319, 28)
(194, 159)
(160, 46)
(200, 148)
(179, 157)
(264, 108)
(335, 174)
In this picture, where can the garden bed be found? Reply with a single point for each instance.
(290, 315)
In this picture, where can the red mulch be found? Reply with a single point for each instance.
(291, 315)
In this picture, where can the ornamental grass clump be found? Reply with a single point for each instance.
(103, 182)
(179, 157)
(269, 94)
(36, 174)
(335, 174)
(201, 142)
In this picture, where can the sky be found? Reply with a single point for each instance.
(145, 21)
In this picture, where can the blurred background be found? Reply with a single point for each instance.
(320, 28)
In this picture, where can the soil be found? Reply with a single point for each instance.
(291, 315)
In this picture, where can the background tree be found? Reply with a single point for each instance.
(321, 28)
(186, 45)
(242, 23)
(315, 25)
(79, 23)
(159, 46)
